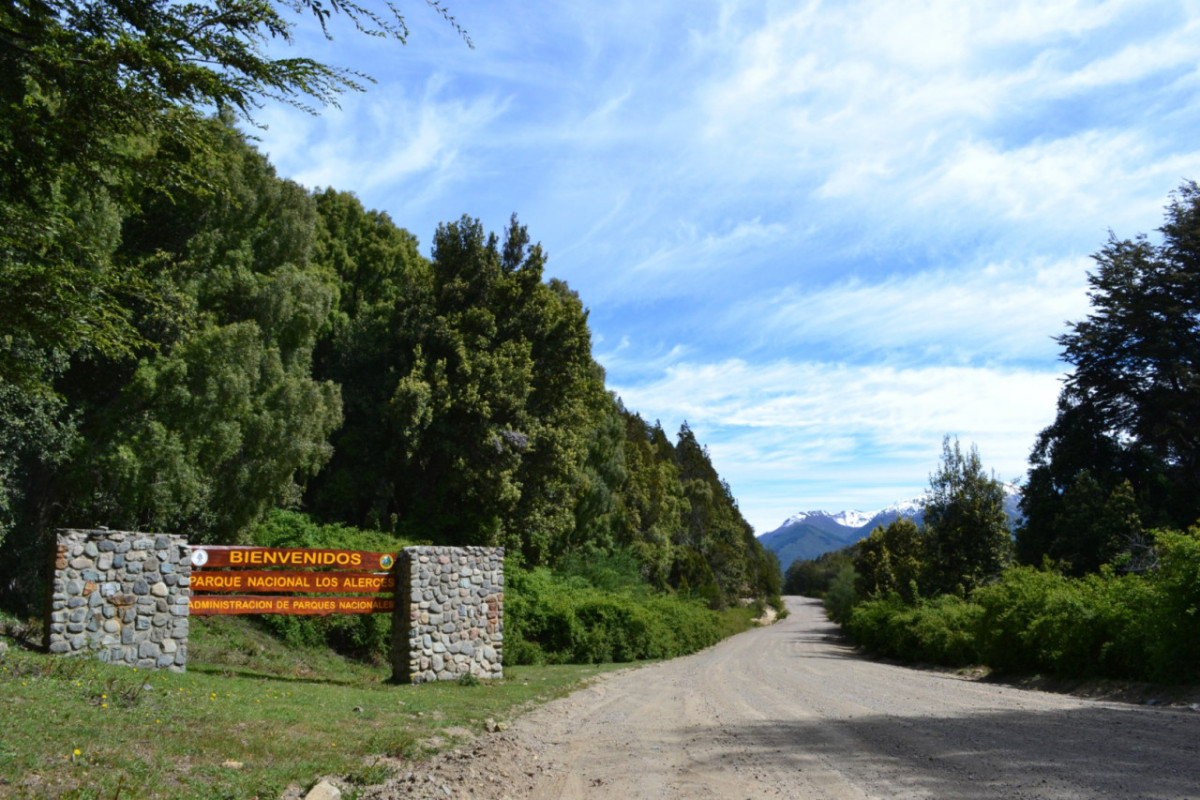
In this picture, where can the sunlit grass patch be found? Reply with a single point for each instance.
(247, 720)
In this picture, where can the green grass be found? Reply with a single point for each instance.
(250, 717)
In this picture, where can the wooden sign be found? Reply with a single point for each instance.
(217, 569)
(287, 581)
(221, 556)
(208, 605)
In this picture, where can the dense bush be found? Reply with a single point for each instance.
(937, 631)
(841, 596)
(1141, 627)
(812, 577)
(1172, 632)
(1042, 621)
(367, 637)
(551, 618)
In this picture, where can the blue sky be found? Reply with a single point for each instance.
(824, 234)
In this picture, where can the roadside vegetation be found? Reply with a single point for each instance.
(585, 611)
(1102, 579)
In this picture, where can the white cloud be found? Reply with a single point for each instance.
(386, 139)
(787, 434)
(881, 104)
(1004, 312)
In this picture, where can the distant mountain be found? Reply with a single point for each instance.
(812, 533)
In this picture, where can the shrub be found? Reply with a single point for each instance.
(366, 637)
(1140, 627)
(937, 631)
(1173, 641)
(552, 618)
(842, 596)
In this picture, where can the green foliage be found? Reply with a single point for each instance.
(90, 87)
(219, 419)
(1173, 630)
(936, 631)
(1042, 621)
(473, 400)
(842, 596)
(366, 637)
(553, 619)
(1123, 453)
(892, 560)
(812, 577)
(967, 528)
(1105, 624)
(205, 434)
(652, 501)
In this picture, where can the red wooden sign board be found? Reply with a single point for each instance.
(230, 575)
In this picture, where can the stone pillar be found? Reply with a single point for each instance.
(121, 597)
(449, 615)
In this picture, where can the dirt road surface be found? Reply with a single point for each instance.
(790, 711)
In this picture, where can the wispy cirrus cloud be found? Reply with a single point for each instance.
(1006, 312)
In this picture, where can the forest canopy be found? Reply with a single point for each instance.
(295, 350)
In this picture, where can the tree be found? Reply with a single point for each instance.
(473, 402)
(652, 501)
(892, 560)
(966, 525)
(217, 417)
(1128, 412)
(813, 577)
(221, 419)
(91, 89)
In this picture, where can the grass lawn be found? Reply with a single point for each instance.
(249, 717)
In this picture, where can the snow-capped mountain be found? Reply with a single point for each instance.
(811, 533)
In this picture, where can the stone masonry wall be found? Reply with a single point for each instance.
(449, 617)
(121, 597)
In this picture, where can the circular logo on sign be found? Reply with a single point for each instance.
(199, 558)
(386, 562)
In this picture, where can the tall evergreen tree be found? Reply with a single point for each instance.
(473, 400)
(965, 522)
(1128, 413)
(89, 88)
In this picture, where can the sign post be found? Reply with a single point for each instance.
(229, 580)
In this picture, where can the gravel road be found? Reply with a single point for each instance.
(790, 711)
